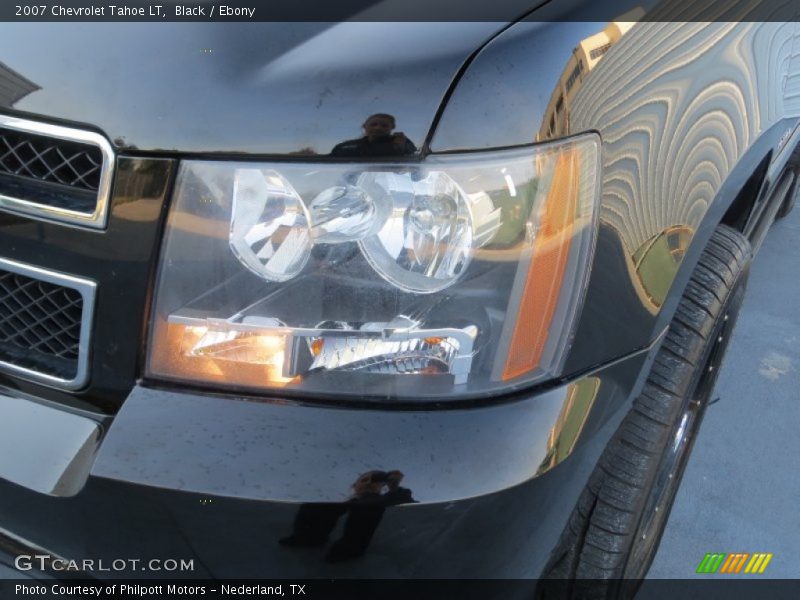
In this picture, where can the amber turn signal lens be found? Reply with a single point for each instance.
(547, 267)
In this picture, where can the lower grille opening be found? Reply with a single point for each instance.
(40, 326)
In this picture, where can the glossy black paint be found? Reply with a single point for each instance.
(236, 474)
(259, 450)
(255, 88)
(613, 303)
(229, 538)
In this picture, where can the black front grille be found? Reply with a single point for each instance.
(40, 325)
(50, 160)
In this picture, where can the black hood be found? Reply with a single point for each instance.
(261, 88)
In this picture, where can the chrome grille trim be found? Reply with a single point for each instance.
(98, 218)
(87, 289)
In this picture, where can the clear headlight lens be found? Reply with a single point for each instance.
(424, 244)
(455, 277)
(270, 226)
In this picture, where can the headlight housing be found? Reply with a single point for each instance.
(455, 277)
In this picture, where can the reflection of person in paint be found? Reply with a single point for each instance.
(372, 493)
(378, 140)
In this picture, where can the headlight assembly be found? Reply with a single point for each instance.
(455, 277)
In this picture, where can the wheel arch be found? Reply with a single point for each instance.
(746, 201)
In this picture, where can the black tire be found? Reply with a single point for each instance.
(614, 531)
(790, 201)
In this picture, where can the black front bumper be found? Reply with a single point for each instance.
(486, 490)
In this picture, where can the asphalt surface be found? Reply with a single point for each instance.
(741, 488)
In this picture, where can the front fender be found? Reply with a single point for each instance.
(687, 112)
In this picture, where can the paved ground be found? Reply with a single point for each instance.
(741, 489)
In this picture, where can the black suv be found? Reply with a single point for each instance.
(374, 299)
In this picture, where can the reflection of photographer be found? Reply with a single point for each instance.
(378, 140)
(396, 494)
(372, 493)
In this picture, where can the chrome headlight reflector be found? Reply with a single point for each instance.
(453, 277)
(270, 225)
